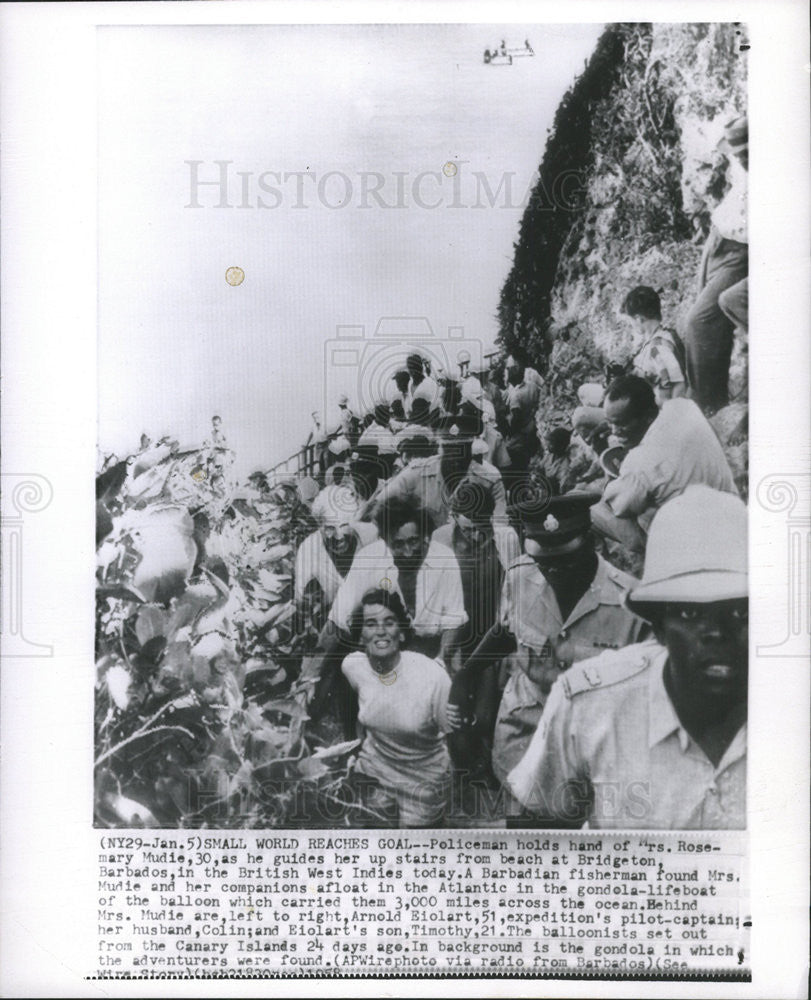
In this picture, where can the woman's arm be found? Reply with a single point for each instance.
(497, 643)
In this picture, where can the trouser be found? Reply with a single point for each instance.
(734, 302)
(471, 746)
(709, 331)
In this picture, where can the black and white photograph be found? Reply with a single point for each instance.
(422, 482)
(413, 600)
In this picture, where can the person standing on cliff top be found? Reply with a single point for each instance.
(723, 273)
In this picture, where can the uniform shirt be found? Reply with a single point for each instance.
(439, 600)
(656, 361)
(313, 562)
(679, 449)
(548, 645)
(422, 480)
(610, 749)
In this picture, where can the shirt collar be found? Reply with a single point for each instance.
(600, 591)
(662, 719)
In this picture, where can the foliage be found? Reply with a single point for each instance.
(199, 719)
(556, 203)
(638, 131)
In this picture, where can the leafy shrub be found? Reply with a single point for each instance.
(198, 721)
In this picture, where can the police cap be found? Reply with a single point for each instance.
(551, 521)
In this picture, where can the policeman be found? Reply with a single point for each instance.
(561, 603)
(654, 736)
(431, 481)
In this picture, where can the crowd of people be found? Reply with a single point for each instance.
(554, 613)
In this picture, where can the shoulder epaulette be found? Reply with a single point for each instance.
(611, 667)
(520, 562)
(622, 579)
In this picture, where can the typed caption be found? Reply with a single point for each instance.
(421, 903)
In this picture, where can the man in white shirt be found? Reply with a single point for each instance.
(324, 558)
(422, 385)
(724, 264)
(669, 450)
(406, 560)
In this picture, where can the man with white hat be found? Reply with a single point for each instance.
(324, 557)
(338, 460)
(654, 736)
(474, 400)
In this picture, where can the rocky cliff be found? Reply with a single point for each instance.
(639, 131)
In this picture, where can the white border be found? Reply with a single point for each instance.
(47, 73)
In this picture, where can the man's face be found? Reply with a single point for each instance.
(708, 649)
(563, 563)
(337, 536)
(408, 546)
(637, 327)
(475, 531)
(514, 370)
(628, 427)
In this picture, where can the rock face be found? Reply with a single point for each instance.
(648, 111)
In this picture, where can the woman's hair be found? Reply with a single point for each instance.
(390, 600)
(642, 301)
(394, 512)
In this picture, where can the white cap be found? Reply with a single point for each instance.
(339, 445)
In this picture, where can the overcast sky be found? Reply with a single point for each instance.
(331, 141)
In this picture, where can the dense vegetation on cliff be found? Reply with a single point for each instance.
(636, 139)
